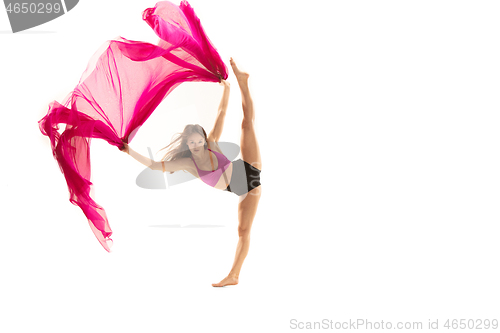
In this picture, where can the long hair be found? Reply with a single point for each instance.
(178, 147)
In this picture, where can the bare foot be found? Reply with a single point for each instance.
(240, 76)
(227, 281)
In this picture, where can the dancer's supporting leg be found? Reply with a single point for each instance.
(250, 153)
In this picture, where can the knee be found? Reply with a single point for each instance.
(247, 124)
(244, 232)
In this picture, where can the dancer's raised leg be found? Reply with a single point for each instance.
(250, 153)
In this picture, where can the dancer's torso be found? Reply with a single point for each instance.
(206, 168)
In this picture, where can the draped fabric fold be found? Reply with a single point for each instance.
(123, 84)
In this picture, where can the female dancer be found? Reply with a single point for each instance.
(201, 156)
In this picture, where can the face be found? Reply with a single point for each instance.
(195, 143)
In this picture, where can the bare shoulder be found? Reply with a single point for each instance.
(186, 162)
(215, 146)
(188, 165)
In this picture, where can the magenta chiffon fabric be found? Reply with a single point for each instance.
(124, 82)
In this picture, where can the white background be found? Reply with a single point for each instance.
(378, 126)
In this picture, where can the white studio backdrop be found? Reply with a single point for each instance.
(378, 127)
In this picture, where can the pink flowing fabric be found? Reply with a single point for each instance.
(124, 82)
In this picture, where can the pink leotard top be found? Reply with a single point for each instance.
(212, 177)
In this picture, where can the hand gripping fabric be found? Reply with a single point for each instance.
(124, 82)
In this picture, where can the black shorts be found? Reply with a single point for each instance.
(245, 178)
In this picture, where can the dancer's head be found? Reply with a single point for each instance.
(192, 140)
(195, 138)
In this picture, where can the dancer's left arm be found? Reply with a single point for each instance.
(216, 132)
(169, 166)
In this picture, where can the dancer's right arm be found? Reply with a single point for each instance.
(170, 166)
